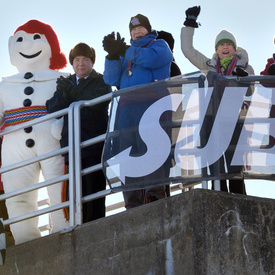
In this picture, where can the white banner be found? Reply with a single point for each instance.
(186, 130)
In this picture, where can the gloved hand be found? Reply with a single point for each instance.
(114, 47)
(65, 85)
(111, 35)
(107, 42)
(271, 69)
(123, 46)
(191, 17)
(240, 72)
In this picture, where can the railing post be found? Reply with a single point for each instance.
(201, 85)
(71, 165)
(77, 164)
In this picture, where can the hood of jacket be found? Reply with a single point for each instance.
(145, 40)
(240, 53)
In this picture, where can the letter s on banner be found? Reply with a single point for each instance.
(124, 165)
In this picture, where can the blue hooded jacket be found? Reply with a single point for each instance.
(149, 60)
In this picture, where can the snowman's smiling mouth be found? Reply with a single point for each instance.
(31, 56)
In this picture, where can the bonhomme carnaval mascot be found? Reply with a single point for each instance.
(35, 52)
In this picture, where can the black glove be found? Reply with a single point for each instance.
(123, 46)
(240, 72)
(107, 42)
(191, 17)
(111, 35)
(114, 47)
(271, 69)
(65, 85)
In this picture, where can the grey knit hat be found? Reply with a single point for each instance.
(225, 36)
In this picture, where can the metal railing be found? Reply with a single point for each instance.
(69, 176)
(75, 171)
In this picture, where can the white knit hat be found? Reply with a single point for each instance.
(225, 36)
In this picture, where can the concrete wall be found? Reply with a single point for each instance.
(198, 232)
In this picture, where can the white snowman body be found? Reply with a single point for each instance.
(22, 98)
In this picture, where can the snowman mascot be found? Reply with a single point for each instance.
(35, 52)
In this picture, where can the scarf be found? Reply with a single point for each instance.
(228, 63)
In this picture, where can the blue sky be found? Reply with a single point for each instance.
(252, 23)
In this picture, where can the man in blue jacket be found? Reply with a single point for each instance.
(146, 60)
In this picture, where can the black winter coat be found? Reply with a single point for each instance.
(94, 119)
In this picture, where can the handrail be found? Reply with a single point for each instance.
(33, 187)
(73, 149)
(78, 146)
(33, 160)
(43, 184)
(37, 213)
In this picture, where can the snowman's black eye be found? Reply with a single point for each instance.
(36, 36)
(19, 39)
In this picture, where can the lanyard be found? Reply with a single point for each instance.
(129, 69)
